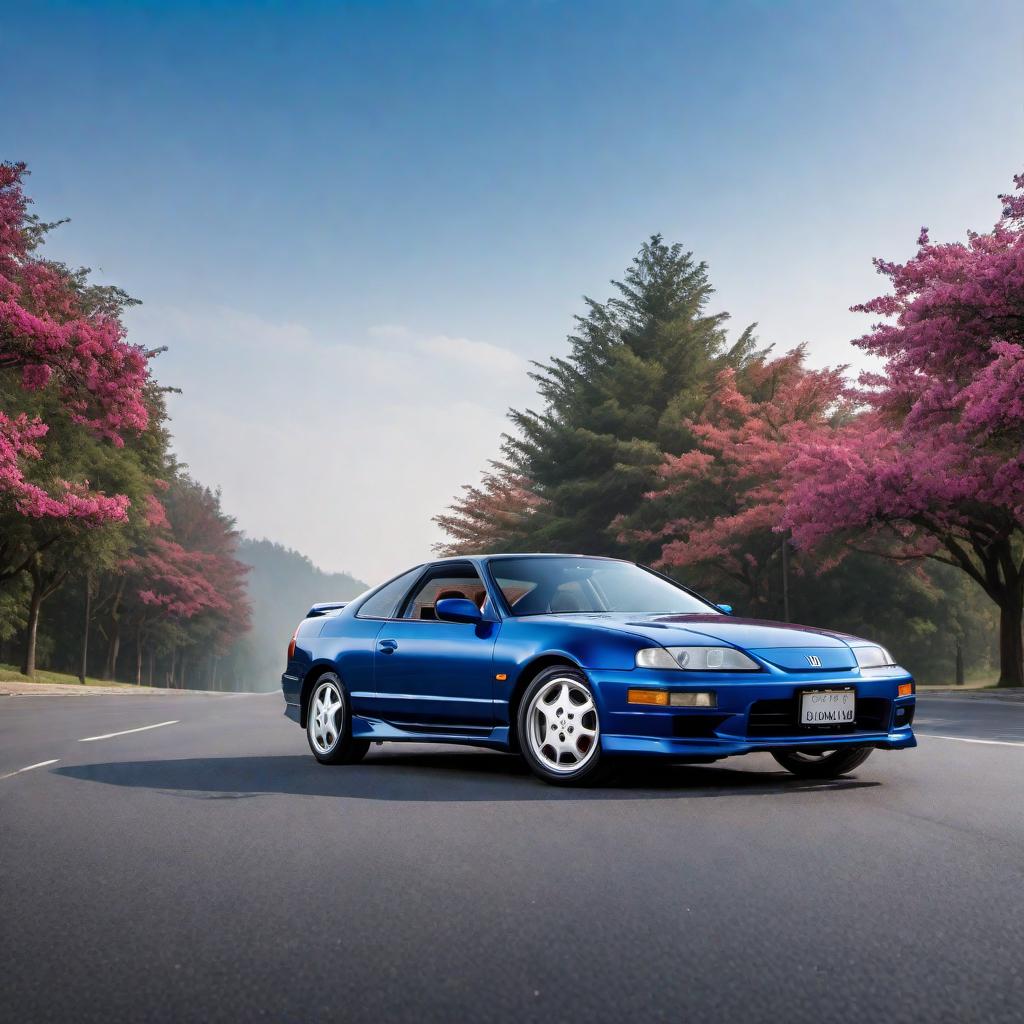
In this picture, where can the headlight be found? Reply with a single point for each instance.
(873, 657)
(696, 659)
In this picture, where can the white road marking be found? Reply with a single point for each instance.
(28, 768)
(967, 739)
(125, 732)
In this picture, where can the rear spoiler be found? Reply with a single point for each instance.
(325, 608)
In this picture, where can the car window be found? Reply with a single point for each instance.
(515, 590)
(571, 597)
(627, 591)
(549, 586)
(459, 583)
(382, 604)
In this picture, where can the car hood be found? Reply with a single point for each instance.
(784, 645)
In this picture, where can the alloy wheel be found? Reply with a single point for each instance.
(326, 716)
(562, 725)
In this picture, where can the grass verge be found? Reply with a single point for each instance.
(10, 674)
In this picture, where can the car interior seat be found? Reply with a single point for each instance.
(565, 601)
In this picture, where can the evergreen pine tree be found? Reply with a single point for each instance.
(639, 365)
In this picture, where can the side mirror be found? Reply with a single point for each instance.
(457, 609)
(727, 608)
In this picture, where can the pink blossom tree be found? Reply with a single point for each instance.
(720, 503)
(934, 467)
(65, 366)
(59, 332)
(491, 516)
(184, 586)
(170, 586)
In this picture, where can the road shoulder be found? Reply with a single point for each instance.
(17, 688)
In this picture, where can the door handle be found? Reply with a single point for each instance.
(388, 646)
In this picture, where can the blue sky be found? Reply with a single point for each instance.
(353, 224)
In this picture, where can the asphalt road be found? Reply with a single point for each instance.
(211, 870)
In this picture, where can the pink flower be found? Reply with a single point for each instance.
(936, 457)
(51, 340)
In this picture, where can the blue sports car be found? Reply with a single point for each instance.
(571, 660)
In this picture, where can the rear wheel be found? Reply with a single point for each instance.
(822, 764)
(559, 729)
(329, 724)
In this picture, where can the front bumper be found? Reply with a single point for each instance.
(754, 712)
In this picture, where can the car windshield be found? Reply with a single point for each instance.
(547, 586)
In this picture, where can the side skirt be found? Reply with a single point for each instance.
(375, 729)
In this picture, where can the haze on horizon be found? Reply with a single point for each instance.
(354, 228)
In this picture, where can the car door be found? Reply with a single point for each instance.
(351, 641)
(432, 673)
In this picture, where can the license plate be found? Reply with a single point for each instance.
(827, 707)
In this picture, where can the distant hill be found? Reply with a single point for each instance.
(282, 586)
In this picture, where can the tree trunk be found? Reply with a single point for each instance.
(113, 649)
(994, 565)
(85, 630)
(114, 641)
(1011, 640)
(28, 664)
(138, 657)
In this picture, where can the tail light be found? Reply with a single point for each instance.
(291, 645)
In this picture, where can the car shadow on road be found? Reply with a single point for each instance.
(446, 776)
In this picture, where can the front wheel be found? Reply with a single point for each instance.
(559, 729)
(329, 724)
(825, 764)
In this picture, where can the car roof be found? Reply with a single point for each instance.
(519, 554)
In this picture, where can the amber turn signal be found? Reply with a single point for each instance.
(906, 689)
(659, 697)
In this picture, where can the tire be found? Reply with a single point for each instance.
(829, 764)
(329, 723)
(559, 729)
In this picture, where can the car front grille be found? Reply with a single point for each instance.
(781, 718)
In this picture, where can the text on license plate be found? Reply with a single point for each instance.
(827, 707)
